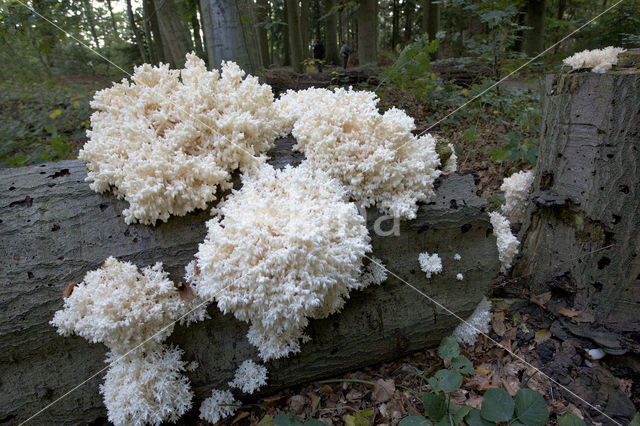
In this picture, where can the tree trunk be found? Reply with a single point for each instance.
(395, 24)
(409, 16)
(286, 50)
(330, 33)
(229, 39)
(262, 9)
(55, 229)
(114, 25)
(367, 32)
(176, 39)
(153, 57)
(433, 19)
(88, 13)
(304, 28)
(195, 26)
(582, 234)
(136, 33)
(534, 38)
(295, 44)
(152, 21)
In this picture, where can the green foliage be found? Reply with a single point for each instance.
(362, 418)
(529, 407)
(570, 420)
(287, 420)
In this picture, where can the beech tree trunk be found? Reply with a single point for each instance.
(331, 33)
(228, 39)
(151, 21)
(136, 33)
(176, 39)
(305, 31)
(54, 229)
(582, 235)
(534, 37)
(367, 32)
(262, 9)
(293, 30)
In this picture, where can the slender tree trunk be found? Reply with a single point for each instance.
(262, 9)
(195, 27)
(153, 57)
(158, 45)
(433, 21)
(114, 25)
(330, 33)
(367, 32)
(395, 23)
(174, 32)
(534, 39)
(88, 13)
(136, 33)
(304, 28)
(562, 6)
(295, 44)
(286, 49)
(409, 11)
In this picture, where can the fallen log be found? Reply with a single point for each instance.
(54, 228)
(581, 238)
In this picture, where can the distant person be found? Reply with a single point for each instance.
(345, 51)
(318, 54)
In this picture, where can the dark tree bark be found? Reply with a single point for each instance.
(305, 29)
(195, 27)
(286, 50)
(409, 16)
(88, 13)
(330, 33)
(395, 23)
(582, 234)
(295, 44)
(176, 39)
(534, 38)
(367, 32)
(433, 19)
(152, 19)
(153, 57)
(262, 15)
(136, 32)
(55, 229)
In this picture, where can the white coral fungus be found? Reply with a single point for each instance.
(516, 192)
(220, 405)
(459, 276)
(374, 273)
(375, 155)
(289, 247)
(599, 60)
(167, 140)
(121, 307)
(249, 377)
(430, 264)
(506, 241)
(457, 257)
(478, 323)
(147, 389)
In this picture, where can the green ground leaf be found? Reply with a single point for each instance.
(531, 408)
(415, 421)
(462, 364)
(448, 348)
(284, 420)
(497, 406)
(446, 381)
(475, 419)
(569, 419)
(435, 405)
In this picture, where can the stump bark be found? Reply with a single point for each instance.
(582, 235)
(54, 229)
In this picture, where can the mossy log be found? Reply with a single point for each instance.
(54, 229)
(582, 234)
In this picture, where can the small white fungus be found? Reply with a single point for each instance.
(506, 241)
(599, 60)
(478, 323)
(220, 405)
(457, 257)
(249, 377)
(516, 192)
(459, 276)
(374, 273)
(430, 264)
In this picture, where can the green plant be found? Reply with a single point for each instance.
(529, 407)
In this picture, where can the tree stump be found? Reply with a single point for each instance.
(54, 229)
(582, 235)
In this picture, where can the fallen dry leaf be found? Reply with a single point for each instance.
(498, 323)
(240, 416)
(185, 291)
(568, 312)
(383, 390)
(68, 289)
(542, 336)
(541, 299)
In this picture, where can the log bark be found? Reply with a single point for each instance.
(582, 235)
(54, 229)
